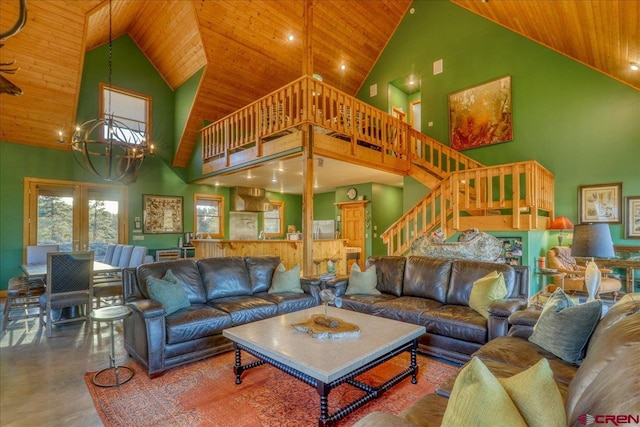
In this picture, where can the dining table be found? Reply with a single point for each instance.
(35, 271)
(39, 271)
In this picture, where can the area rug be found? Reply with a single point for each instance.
(205, 394)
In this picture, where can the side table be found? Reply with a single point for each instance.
(111, 314)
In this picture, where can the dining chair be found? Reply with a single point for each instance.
(23, 293)
(69, 284)
(108, 254)
(108, 289)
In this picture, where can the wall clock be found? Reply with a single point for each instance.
(352, 193)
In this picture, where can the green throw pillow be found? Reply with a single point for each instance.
(485, 291)
(286, 281)
(362, 282)
(478, 399)
(168, 292)
(564, 328)
(536, 396)
(529, 398)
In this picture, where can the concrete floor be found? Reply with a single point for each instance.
(41, 379)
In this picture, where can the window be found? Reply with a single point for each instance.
(273, 220)
(75, 215)
(208, 216)
(130, 108)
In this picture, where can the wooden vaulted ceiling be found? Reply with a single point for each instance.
(243, 48)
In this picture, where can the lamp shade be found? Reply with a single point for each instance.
(592, 240)
(561, 223)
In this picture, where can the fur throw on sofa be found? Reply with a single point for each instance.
(472, 244)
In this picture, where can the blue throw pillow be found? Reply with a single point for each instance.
(168, 292)
(564, 328)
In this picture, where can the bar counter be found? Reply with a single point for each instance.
(289, 251)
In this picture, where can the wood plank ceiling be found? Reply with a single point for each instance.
(243, 47)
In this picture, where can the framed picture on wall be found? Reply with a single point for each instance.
(162, 214)
(481, 115)
(632, 217)
(600, 203)
(511, 251)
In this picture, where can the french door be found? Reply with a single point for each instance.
(75, 215)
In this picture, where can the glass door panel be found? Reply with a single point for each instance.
(103, 221)
(55, 217)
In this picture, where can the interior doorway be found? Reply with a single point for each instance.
(405, 99)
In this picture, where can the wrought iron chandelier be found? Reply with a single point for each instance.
(106, 147)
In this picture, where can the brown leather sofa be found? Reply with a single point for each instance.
(434, 292)
(223, 292)
(606, 384)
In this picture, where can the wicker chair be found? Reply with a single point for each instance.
(559, 258)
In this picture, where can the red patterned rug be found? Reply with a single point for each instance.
(205, 394)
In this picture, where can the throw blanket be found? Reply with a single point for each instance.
(472, 244)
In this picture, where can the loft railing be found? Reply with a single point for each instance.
(332, 112)
(516, 189)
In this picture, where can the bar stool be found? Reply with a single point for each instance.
(318, 263)
(111, 314)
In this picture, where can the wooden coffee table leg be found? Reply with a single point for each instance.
(323, 391)
(414, 363)
(238, 369)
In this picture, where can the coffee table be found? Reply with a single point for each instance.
(327, 363)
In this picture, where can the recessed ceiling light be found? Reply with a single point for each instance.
(290, 37)
(634, 66)
(343, 67)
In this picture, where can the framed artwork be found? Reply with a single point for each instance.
(632, 218)
(162, 214)
(481, 115)
(511, 251)
(600, 203)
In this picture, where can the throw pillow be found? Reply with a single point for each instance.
(564, 328)
(286, 281)
(536, 396)
(529, 398)
(362, 282)
(485, 291)
(478, 399)
(168, 292)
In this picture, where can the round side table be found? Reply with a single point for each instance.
(120, 374)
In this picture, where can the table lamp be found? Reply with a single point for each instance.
(592, 240)
(561, 223)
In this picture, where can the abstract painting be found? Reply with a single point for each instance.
(481, 115)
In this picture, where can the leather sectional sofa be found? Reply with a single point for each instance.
(434, 292)
(223, 292)
(605, 386)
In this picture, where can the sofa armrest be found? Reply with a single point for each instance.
(499, 312)
(145, 335)
(522, 322)
(311, 286)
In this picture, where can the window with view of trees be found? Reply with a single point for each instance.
(209, 215)
(273, 220)
(75, 215)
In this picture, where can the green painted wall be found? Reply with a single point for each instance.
(398, 98)
(386, 208)
(324, 207)
(576, 122)
(184, 98)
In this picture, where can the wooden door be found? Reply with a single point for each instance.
(353, 228)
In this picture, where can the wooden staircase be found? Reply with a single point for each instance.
(463, 193)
